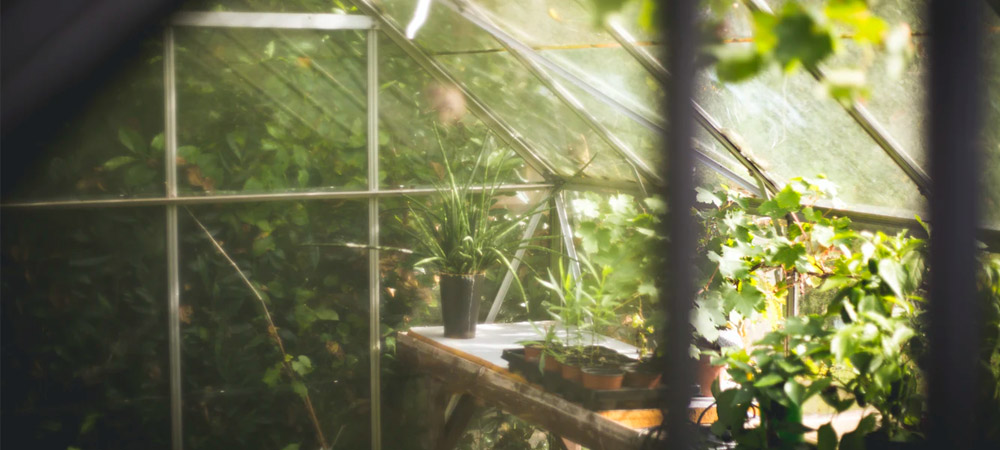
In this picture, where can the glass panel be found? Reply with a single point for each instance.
(791, 131)
(112, 147)
(263, 110)
(443, 32)
(412, 105)
(84, 329)
(518, 97)
(238, 393)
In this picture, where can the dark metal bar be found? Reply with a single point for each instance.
(678, 18)
(954, 91)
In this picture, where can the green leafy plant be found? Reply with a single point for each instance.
(462, 234)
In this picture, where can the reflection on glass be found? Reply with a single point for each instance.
(84, 329)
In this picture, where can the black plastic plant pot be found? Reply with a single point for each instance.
(460, 296)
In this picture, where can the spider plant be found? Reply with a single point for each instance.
(457, 234)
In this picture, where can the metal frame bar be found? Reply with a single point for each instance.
(567, 234)
(268, 197)
(507, 133)
(173, 247)
(374, 274)
(287, 21)
(529, 231)
(765, 183)
(867, 122)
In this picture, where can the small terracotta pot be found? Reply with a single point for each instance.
(571, 371)
(532, 352)
(637, 376)
(552, 364)
(706, 374)
(602, 378)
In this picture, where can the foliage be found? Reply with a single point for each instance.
(615, 235)
(582, 308)
(462, 236)
(753, 251)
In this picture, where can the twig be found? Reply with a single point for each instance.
(271, 329)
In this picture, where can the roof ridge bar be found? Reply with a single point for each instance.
(765, 183)
(529, 61)
(868, 123)
(491, 120)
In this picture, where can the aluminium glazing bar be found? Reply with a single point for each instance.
(173, 247)
(567, 234)
(529, 231)
(507, 133)
(262, 197)
(766, 184)
(374, 274)
(867, 122)
(523, 54)
(288, 21)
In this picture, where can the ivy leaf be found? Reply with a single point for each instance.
(788, 198)
(272, 375)
(302, 365)
(737, 63)
(801, 38)
(300, 388)
(744, 301)
(789, 256)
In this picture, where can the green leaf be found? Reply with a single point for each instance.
(789, 256)
(327, 314)
(737, 62)
(795, 392)
(892, 273)
(131, 140)
(272, 375)
(291, 447)
(770, 379)
(302, 365)
(744, 301)
(300, 388)
(788, 199)
(801, 39)
(117, 162)
(826, 438)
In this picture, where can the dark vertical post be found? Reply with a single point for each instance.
(955, 41)
(678, 21)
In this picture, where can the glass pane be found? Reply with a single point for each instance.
(413, 110)
(529, 107)
(313, 286)
(84, 329)
(315, 6)
(263, 110)
(111, 148)
(791, 131)
(443, 32)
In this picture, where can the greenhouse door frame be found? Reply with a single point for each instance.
(332, 22)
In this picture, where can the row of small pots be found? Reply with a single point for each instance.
(608, 376)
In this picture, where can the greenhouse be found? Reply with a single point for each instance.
(486, 224)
